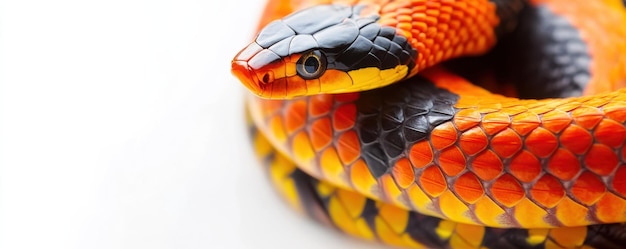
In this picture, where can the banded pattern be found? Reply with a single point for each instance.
(441, 30)
(490, 160)
(373, 220)
(438, 145)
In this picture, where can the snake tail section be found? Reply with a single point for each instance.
(365, 218)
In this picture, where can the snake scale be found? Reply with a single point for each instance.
(368, 120)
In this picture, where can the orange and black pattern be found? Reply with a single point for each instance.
(478, 158)
(373, 220)
(436, 161)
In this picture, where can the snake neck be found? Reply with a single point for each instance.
(442, 30)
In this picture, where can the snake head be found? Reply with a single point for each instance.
(323, 49)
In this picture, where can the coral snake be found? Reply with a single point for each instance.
(398, 141)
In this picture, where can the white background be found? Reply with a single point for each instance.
(122, 127)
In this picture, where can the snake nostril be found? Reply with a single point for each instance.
(266, 78)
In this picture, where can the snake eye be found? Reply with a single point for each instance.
(311, 65)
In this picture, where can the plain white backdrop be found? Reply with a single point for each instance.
(122, 127)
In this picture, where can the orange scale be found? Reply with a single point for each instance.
(588, 188)
(344, 117)
(525, 166)
(396, 218)
(488, 108)
(555, 120)
(576, 139)
(601, 160)
(393, 194)
(440, 36)
(454, 209)
(433, 5)
(443, 135)
(515, 110)
(431, 21)
(541, 142)
(587, 117)
(320, 105)
(564, 165)
(421, 154)
(301, 148)
(487, 165)
(362, 179)
(332, 168)
(507, 190)
(525, 122)
(473, 141)
(432, 181)
(529, 214)
(468, 187)
(569, 106)
(615, 111)
(348, 147)
(446, 8)
(506, 143)
(541, 109)
(403, 173)
(547, 191)
(353, 202)
(404, 28)
(492, 122)
(570, 213)
(402, 15)
(295, 118)
(595, 101)
(567, 237)
(420, 201)
(610, 133)
(611, 208)
(468, 236)
(489, 212)
(618, 183)
(270, 107)
(321, 133)
(452, 161)
(419, 26)
(278, 129)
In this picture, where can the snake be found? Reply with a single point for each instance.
(379, 118)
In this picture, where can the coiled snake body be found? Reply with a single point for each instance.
(411, 153)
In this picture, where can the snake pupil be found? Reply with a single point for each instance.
(311, 64)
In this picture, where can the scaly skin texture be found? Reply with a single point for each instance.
(494, 162)
(373, 220)
(468, 156)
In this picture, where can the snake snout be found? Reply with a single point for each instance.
(244, 73)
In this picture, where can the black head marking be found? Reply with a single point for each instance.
(337, 36)
(273, 33)
(309, 21)
(346, 39)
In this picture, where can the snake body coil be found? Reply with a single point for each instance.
(412, 154)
